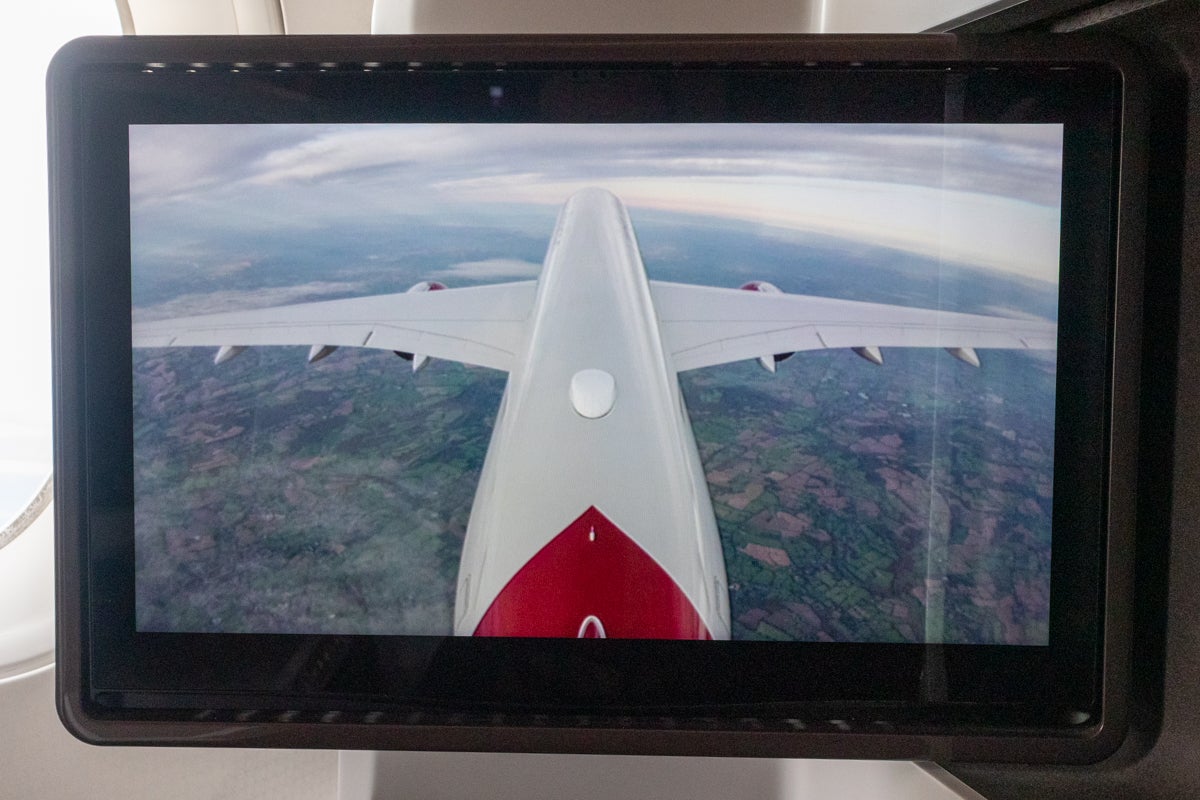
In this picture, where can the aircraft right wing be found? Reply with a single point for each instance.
(480, 325)
(704, 326)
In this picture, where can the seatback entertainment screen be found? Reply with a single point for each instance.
(772, 381)
(770, 396)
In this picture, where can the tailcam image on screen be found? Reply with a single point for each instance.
(788, 382)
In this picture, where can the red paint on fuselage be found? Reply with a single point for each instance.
(592, 569)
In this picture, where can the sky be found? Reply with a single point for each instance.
(982, 195)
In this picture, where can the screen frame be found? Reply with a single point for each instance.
(88, 471)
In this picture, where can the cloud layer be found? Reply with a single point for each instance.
(983, 194)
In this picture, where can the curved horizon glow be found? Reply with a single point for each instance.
(986, 196)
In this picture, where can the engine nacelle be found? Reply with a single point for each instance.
(420, 361)
(767, 362)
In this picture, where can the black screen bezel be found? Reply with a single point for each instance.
(878, 690)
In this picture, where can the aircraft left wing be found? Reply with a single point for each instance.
(483, 325)
(704, 326)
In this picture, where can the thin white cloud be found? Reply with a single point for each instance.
(227, 268)
(234, 300)
(489, 183)
(490, 269)
(337, 151)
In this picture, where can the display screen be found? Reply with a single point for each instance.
(595, 428)
(677, 397)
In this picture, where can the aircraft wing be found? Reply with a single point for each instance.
(482, 325)
(703, 326)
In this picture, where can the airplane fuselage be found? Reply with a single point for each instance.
(592, 516)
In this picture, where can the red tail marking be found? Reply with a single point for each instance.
(590, 580)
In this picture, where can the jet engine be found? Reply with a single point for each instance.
(420, 361)
(767, 362)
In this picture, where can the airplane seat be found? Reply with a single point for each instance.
(201, 17)
(618, 16)
(244, 17)
(658, 16)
